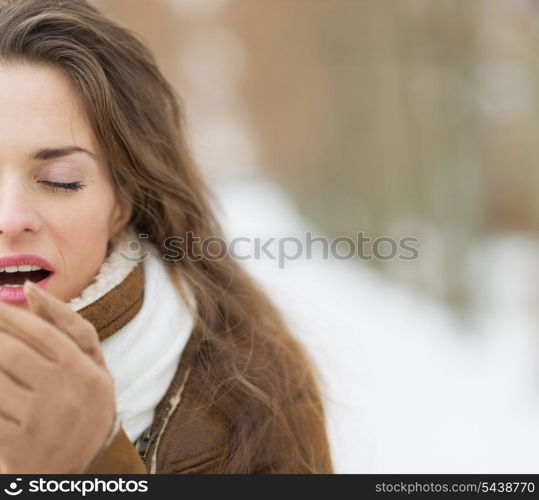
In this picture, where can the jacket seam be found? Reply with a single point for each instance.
(174, 401)
(210, 454)
(193, 468)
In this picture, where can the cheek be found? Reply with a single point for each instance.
(83, 225)
(80, 234)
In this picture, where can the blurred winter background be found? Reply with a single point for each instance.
(412, 118)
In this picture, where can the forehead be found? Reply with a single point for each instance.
(39, 106)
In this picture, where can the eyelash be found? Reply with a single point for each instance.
(66, 186)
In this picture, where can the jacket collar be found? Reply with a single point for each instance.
(118, 306)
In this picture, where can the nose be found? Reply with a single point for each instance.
(18, 214)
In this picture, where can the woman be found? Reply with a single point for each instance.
(114, 360)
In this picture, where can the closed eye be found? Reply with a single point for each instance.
(67, 186)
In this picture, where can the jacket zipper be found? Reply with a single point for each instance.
(152, 432)
(145, 441)
(173, 404)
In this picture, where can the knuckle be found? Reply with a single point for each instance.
(87, 331)
(86, 335)
(87, 325)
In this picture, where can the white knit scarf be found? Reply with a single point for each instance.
(143, 355)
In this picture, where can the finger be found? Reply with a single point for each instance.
(36, 333)
(20, 362)
(60, 315)
(14, 403)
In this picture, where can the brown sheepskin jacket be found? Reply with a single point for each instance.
(185, 437)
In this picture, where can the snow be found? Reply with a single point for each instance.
(408, 387)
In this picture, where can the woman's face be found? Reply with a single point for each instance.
(46, 141)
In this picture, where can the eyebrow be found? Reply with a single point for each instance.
(51, 153)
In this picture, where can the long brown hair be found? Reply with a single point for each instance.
(244, 347)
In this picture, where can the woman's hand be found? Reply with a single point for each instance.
(57, 404)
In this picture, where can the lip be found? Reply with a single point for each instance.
(16, 295)
(25, 259)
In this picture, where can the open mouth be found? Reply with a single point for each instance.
(15, 276)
